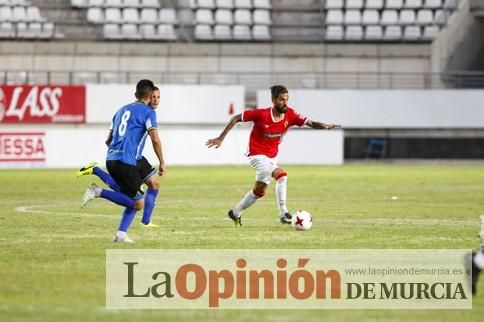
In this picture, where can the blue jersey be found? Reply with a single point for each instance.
(130, 126)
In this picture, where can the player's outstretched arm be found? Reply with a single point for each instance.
(322, 126)
(217, 142)
(155, 140)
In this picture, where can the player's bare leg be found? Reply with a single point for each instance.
(280, 176)
(248, 200)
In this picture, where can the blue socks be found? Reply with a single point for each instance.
(118, 198)
(127, 219)
(150, 201)
(106, 178)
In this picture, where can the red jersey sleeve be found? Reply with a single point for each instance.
(251, 115)
(297, 119)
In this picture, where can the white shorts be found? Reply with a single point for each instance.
(264, 166)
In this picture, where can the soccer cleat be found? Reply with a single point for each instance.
(124, 239)
(149, 225)
(286, 218)
(86, 170)
(89, 195)
(235, 219)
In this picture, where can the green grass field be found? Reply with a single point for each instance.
(52, 265)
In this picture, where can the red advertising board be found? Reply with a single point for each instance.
(22, 147)
(42, 104)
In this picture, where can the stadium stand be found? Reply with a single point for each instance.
(21, 19)
(347, 43)
(390, 20)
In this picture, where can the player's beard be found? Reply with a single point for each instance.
(281, 109)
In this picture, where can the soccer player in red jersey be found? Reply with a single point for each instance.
(270, 125)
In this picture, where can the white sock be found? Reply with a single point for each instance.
(249, 199)
(281, 192)
(97, 191)
(479, 260)
(121, 234)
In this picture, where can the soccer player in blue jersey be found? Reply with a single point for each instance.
(129, 128)
(151, 181)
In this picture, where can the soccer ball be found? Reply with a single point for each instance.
(302, 220)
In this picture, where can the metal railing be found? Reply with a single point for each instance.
(254, 80)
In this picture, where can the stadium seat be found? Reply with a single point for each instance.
(166, 31)
(222, 32)
(131, 3)
(204, 16)
(206, 4)
(334, 4)
(203, 32)
(130, 31)
(413, 4)
(33, 14)
(352, 17)
(21, 30)
(354, 33)
(243, 4)
(95, 3)
(389, 17)
(407, 17)
(113, 3)
(6, 14)
(150, 4)
(425, 17)
(131, 15)
(334, 33)
(148, 31)
(113, 15)
(373, 33)
(7, 30)
(225, 4)
(34, 29)
(149, 15)
(440, 17)
(394, 4)
(411, 33)
(95, 15)
(261, 32)
(241, 32)
(242, 17)
(430, 32)
(392, 33)
(262, 4)
(370, 17)
(168, 16)
(261, 17)
(354, 4)
(450, 4)
(374, 4)
(433, 4)
(48, 30)
(79, 3)
(376, 148)
(223, 17)
(111, 31)
(19, 14)
(334, 17)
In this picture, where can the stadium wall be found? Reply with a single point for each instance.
(41, 129)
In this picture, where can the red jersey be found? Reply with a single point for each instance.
(266, 134)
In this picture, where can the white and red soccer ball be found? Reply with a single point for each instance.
(302, 220)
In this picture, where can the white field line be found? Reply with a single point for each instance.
(36, 210)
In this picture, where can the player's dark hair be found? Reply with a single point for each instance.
(155, 89)
(276, 90)
(144, 88)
